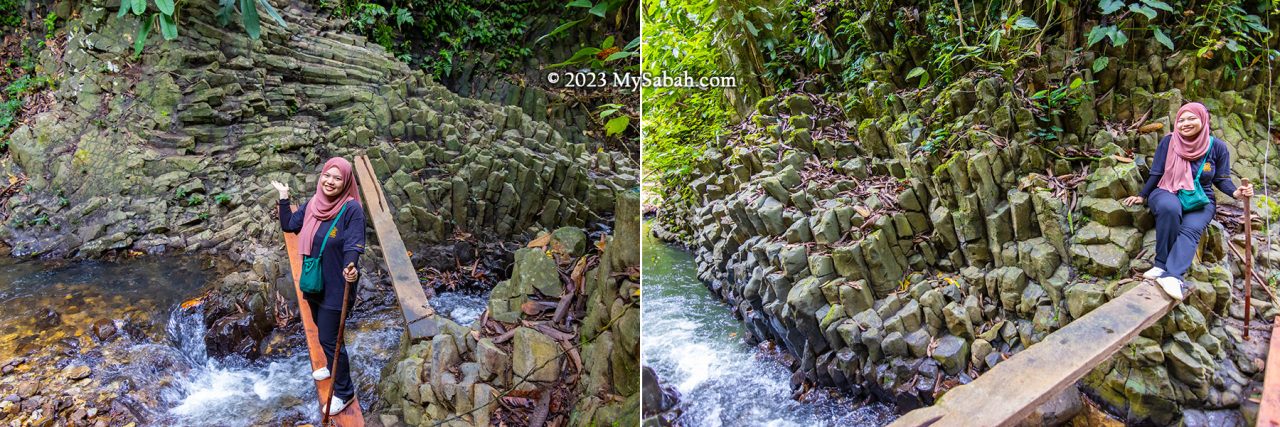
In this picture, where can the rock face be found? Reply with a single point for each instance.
(453, 378)
(174, 152)
(878, 258)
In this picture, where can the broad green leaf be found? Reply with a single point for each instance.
(1026, 23)
(607, 113)
(144, 29)
(599, 9)
(608, 43)
(1075, 84)
(249, 17)
(561, 29)
(168, 28)
(634, 43)
(1109, 6)
(1098, 33)
(616, 125)
(125, 6)
(1100, 63)
(165, 6)
(1145, 11)
(139, 6)
(579, 3)
(918, 71)
(275, 15)
(752, 28)
(579, 56)
(1157, 4)
(1163, 39)
(619, 55)
(1118, 38)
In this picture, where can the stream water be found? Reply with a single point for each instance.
(694, 343)
(157, 367)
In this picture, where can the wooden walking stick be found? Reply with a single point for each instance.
(337, 351)
(1248, 260)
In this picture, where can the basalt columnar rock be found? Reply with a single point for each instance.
(878, 254)
(523, 352)
(174, 151)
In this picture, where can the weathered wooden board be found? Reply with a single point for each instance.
(351, 416)
(1013, 389)
(419, 317)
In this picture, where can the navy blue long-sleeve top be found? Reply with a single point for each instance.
(1217, 169)
(344, 247)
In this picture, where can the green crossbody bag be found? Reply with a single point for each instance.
(1196, 199)
(312, 281)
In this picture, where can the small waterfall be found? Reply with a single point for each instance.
(694, 343)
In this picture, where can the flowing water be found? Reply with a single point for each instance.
(157, 367)
(693, 342)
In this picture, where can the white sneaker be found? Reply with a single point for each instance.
(1171, 286)
(320, 374)
(1154, 273)
(337, 405)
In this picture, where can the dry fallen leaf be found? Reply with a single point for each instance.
(1151, 127)
(542, 240)
(1123, 159)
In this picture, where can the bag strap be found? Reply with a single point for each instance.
(1204, 159)
(331, 227)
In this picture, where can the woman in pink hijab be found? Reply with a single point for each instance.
(334, 210)
(1180, 154)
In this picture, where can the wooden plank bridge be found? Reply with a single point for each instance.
(1269, 407)
(419, 317)
(1010, 391)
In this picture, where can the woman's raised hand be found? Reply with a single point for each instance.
(1132, 200)
(283, 189)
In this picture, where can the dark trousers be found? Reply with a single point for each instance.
(1177, 232)
(327, 326)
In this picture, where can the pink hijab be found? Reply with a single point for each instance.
(1177, 161)
(322, 207)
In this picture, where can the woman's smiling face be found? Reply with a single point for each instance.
(331, 182)
(1189, 125)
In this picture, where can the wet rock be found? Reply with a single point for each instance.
(104, 329)
(235, 334)
(655, 397)
(76, 372)
(47, 318)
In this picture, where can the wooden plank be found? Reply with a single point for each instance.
(351, 416)
(1010, 391)
(1269, 409)
(419, 317)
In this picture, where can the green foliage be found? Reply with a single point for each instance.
(164, 15)
(679, 122)
(604, 57)
(221, 199)
(1052, 104)
(50, 24)
(437, 34)
(10, 13)
(195, 200)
